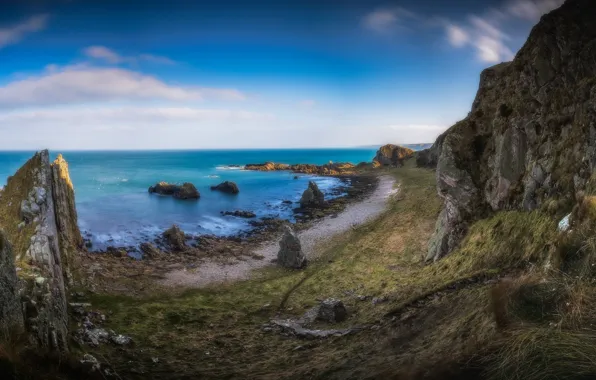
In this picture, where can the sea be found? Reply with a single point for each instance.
(115, 209)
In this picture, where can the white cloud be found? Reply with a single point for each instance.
(383, 20)
(14, 34)
(110, 56)
(83, 83)
(532, 10)
(457, 36)
(133, 127)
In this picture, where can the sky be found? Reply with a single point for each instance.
(233, 74)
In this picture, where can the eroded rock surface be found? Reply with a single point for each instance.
(392, 155)
(312, 196)
(290, 253)
(531, 134)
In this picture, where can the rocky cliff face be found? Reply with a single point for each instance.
(392, 155)
(39, 217)
(531, 134)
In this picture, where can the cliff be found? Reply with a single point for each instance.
(530, 138)
(39, 218)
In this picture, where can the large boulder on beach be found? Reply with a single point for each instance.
(393, 155)
(227, 187)
(290, 253)
(312, 196)
(186, 191)
(175, 238)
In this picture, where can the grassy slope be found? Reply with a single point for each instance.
(443, 313)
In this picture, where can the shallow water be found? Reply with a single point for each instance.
(114, 207)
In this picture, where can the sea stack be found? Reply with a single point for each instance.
(312, 196)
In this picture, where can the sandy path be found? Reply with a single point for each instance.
(357, 213)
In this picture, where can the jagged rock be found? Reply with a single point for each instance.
(186, 191)
(312, 196)
(227, 187)
(327, 169)
(175, 238)
(392, 155)
(149, 250)
(90, 363)
(530, 137)
(290, 253)
(240, 214)
(331, 310)
(11, 317)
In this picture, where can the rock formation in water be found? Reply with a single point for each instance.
(326, 169)
(531, 134)
(185, 191)
(392, 155)
(240, 214)
(39, 219)
(227, 187)
(290, 253)
(312, 196)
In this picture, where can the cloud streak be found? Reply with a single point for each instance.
(386, 19)
(84, 84)
(103, 53)
(485, 34)
(14, 34)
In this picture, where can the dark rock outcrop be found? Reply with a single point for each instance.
(312, 196)
(175, 238)
(227, 187)
(392, 155)
(290, 253)
(331, 310)
(240, 214)
(185, 191)
(429, 158)
(149, 250)
(531, 134)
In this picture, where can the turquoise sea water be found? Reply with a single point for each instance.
(114, 207)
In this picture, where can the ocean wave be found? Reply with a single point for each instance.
(230, 167)
(212, 176)
(124, 180)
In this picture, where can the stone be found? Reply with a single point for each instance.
(563, 225)
(149, 250)
(332, 310)
(185, 192)
(392, 155)
(312, 196)
(290, 253)
(227, 187)
(175, 238)
(90, 363)
(121, 340)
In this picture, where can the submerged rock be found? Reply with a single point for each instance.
(185, 191)
(175, 238)
(240, 214)
(227, 187)
(290, 253)
(312, 196)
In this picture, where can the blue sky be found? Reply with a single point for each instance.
(235, 74)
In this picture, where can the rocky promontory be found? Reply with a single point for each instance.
(392, 155)
(529, 140)
(326, 169)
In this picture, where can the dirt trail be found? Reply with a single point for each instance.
(355, 214)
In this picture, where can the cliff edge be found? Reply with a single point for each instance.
(38, 217)
(530, 138)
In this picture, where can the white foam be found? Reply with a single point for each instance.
(226, 167)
